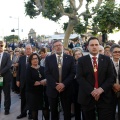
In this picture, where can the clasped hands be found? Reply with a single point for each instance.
(60, 87)
(42, 82)
(96, 93)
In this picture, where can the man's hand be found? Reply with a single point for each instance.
(18, 83)
(60, 87)
(96, 93)
(116, 87)
(37, 83)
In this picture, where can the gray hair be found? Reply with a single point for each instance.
(101, 47)
(114, 46)
(28, 45)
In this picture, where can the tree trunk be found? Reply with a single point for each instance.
(68, 32)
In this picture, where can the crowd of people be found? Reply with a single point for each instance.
(84, 86)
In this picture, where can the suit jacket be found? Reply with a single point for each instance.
(21, 73)
(115, 74)
(52, 74)
(85, 78)
(5, 68)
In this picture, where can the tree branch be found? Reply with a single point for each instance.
(80, 4)
(72, 3)
(63, 13)
(96, 8)
(40, 4)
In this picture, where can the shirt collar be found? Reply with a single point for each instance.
(114, 61)
(94, 56)
(58, 55)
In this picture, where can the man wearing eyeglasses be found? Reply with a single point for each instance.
(59, 72)
(5, 77)
(115, 52)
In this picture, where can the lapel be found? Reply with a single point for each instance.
(100, 64)
(54, 61)
(114, 68)
(89, 62)
(3, 59)
(65, 58)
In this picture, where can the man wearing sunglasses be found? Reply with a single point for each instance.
(115, 52)
(5, 75)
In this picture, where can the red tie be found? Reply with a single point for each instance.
(95, 68)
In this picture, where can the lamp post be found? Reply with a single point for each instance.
(13, 46)
(17, 25)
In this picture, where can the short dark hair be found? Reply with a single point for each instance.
(43, 50)
(114, 46)
(92, 38)
(107, 46)
(31, 56)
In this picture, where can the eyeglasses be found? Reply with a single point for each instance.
(116, 51)
(34, 58)
(1, 45)
(57, 45)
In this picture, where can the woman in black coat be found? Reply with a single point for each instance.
(34, 86)
(77, 54)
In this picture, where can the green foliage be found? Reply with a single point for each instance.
(30, 8)
(51, 12)
(79, 28)
(11, 38)
(108, 17)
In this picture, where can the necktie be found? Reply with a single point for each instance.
(27, 60)
(95, 68)
(60, 68)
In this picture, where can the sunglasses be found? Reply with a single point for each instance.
(116, 51)
(1, 45)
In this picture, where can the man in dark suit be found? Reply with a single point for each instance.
(115, 52)
(21, 79)
(59, 74)
(95, 78)
(5, 65)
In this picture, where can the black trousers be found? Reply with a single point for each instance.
(7, 96)
(98, 114)
(117, 103)
(66, 105)
(23, 102)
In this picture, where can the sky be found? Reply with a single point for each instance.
(12, 10)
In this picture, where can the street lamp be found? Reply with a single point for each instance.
(18, 25)
(13, 46)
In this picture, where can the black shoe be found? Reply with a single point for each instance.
(7, 112)
(21, 116)
(30, 117)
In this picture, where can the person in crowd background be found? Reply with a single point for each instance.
(14, 68)
(115, 53)
(21, 80)
(77, 107)
(101, 50)
(107, 51)
(5, 73)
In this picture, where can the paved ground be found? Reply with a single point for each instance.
(15, 109)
